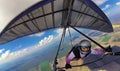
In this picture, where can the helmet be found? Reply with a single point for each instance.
(85, 44)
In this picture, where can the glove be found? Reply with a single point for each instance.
(67, 66)
(114, 53)
(117, 53)
(108, 49)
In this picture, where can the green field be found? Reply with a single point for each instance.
(105, 38)
(44, 66)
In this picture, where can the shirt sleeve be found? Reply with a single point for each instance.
(97, 51)
(70, 57)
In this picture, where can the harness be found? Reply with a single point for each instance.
(76, 52)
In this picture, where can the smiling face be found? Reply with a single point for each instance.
(85, 49)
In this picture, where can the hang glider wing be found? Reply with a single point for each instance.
(49, 14)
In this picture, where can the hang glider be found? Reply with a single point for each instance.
(50, 14)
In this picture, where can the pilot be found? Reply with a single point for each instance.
(82, 50)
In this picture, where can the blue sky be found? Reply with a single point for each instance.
(22, 46)
(111, 9)
(29, 43)
(26, 41)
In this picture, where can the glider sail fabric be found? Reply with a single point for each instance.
(50, 14)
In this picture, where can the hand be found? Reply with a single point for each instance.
(108, 49)
(67, 66)
(114, 53)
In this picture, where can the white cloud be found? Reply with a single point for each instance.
(70, 31)
(1, 50)
(10, 56)
(106, 7)
(38, 34)
(59, 31)
(118, 3)
(5, 55)
(107, 13)
(99, 2)
(46, 40)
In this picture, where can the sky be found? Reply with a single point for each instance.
(111, 9)
(24, 45)
(12, 8)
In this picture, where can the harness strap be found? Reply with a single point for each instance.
(76, 52)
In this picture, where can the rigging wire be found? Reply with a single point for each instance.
(63, 35)
(111, 53)
(71, 39)
(72, 45)
(67, 24)
(87, 37)
(55, 60)
(70, 35)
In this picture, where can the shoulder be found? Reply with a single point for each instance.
(74, 49)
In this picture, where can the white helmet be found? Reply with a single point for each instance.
(85, 44)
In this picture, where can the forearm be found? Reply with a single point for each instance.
(69, 58)
(98, 51)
